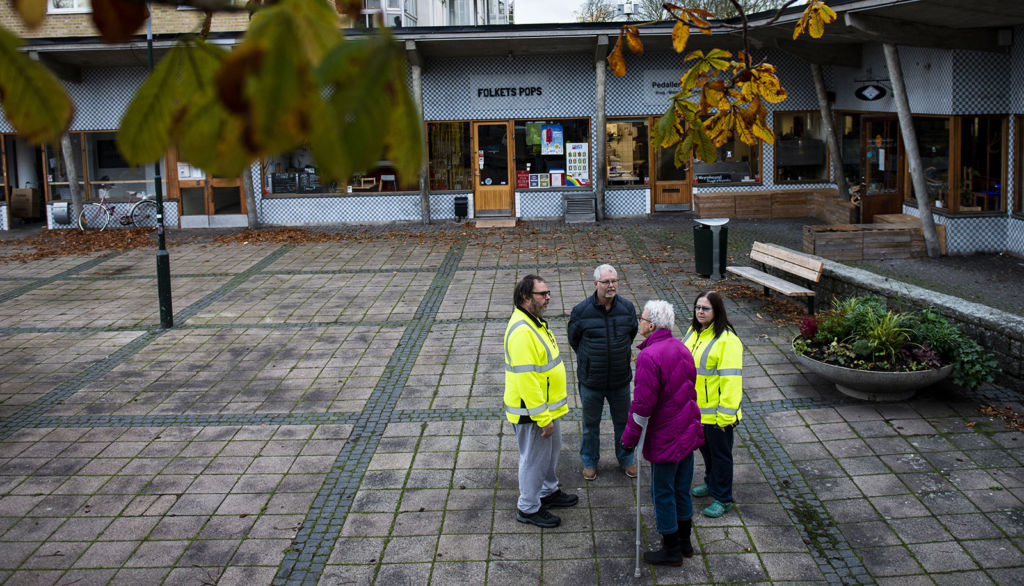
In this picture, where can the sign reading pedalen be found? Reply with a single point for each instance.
(660, 85)
(502, 92)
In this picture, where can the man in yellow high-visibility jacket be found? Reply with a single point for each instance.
(535, 399)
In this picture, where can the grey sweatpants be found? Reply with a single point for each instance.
(538, 459)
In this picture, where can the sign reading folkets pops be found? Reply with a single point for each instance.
(504, 92)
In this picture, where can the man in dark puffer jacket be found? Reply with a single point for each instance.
(601, 332)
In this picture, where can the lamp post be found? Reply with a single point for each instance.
(163, 260)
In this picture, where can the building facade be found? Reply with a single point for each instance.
(519, 118)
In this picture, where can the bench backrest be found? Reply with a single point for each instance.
(791, 262)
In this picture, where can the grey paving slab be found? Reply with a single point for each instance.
(329, 412)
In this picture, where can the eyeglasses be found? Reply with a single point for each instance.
(542, 293)
(701, 308)
(642, 318)
(609, 282)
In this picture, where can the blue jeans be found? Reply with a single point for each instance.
(717, 454)
(590, 442)
(670, 493)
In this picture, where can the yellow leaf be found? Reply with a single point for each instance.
(31, 12)
(616, 61)
(633, 40)
(816, 27)
(680, 35)
(761, 131)
(34, 101)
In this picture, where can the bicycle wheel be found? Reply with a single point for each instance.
(143, 214)
(94, 217)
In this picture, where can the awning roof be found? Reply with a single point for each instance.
(977, 25)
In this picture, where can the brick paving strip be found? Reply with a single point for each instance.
(837, 544)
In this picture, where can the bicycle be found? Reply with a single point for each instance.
(96, 215)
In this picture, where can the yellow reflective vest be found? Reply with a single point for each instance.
(534, 372)
(719, 361)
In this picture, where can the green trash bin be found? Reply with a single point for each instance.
(704, 250)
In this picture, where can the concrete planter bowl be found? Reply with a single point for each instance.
(873, 385)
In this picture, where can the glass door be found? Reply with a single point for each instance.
(493, 190)
(881, 169)
(672, 187)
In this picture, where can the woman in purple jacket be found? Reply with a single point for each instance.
(664, 395)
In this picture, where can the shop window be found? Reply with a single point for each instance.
(68, 6)
(100, 169)
(628, 161)
(1018, 205)
(800, 154)
(449, 146)
(933, 145)
(737, 163)
(296, 173)
(850, 141)
(552, 153)
(982, 153)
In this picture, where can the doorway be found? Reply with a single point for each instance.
(493, 193)
(673, 189)
(881, 164)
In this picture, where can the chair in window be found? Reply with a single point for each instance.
(384, 179)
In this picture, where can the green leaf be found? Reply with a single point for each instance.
(405, 147)
(184, 74)
(665, 130)
(33, 100)
(210, 138)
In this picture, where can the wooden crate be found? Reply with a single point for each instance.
(892, 242)
(754, 205)
(913, 221)
(791, 204)
(837, 242)
(715, 205)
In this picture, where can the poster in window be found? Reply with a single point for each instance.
(551, 141)
(577, 164)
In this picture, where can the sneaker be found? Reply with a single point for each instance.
(630, 470)
(717, 509)
(542, 518)
(700, 491)
(590, 474)
(559, 499)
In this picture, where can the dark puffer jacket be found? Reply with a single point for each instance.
(603, 341)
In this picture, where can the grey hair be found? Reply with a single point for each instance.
(604, 267)
(660, 314)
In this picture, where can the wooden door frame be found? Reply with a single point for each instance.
(657, 186)
(509, 164)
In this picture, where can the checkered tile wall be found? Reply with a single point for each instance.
(976, 88)
(4, 224)
(620, 203)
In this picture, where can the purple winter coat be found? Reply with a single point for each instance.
(663, 390)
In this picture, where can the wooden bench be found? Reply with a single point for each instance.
(784, 260)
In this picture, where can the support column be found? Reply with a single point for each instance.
(417, 91)
(830, 132)
(899, 91)
(600, 131)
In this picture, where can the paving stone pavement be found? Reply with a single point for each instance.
(330, 413)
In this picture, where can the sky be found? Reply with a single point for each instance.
(534, 11)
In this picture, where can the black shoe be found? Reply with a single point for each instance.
(542, 518)
(670, 554)
(559, 499)
(685, 529)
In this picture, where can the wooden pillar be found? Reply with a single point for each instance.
(417, 91)
(830, 132)
(600, 131)
(899, 92)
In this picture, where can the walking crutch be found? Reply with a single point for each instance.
(642, 422)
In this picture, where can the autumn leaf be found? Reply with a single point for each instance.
(117, 20)
(34, 101)
(32, 12)
(633, 40)
(680, 35)
(816, 15)
(615, 59)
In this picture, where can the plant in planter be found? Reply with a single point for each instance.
(872, 352)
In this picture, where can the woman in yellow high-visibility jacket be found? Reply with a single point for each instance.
(718, 354)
